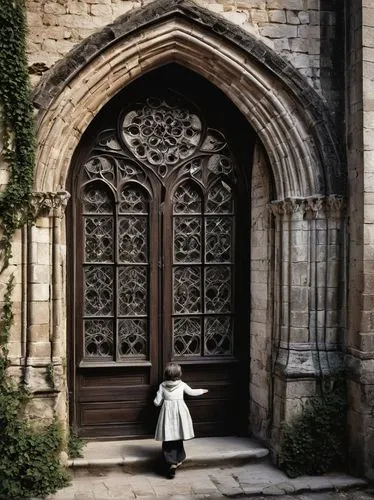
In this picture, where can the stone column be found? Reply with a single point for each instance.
(45, 345)
(308, 304)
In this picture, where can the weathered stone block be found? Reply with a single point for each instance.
(39, 292)
(259, 316)
(36, 379)
(40, 409)
(40, 273)
(300, 273)
(297, 334)
(368, 36)
(39, 349)
(366, 342)
(76, 21)
(299, 253)
(54, 8)
(300, 388)
(292, 17)
(79, 8)
(279, 31)
(360, 370)
(307, 31)
(34, 19)
(286, 4)
(281, 44)
(14, 346)
(52, 20)
(299, 318)
(299, 298)
(304, 17)
(360, 397)
(277, 16)
(39, 332)
(238, 18)
(313, 4)
(39, 312)
(259, 16)
(259, 420)
(101, 10)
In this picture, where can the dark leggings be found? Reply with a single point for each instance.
(173, 452)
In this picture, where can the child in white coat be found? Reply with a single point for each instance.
(174, 422)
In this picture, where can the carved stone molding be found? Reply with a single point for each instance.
(49, 204)
(332, 206)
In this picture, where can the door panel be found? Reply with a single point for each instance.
(159, 206)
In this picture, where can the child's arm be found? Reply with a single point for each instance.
(194, 392)
(158, 399)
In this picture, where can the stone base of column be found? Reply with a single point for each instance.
(360, 416)
(298, 372)
(308, 359)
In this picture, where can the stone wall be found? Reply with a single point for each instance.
(360, 147)
(298, 30)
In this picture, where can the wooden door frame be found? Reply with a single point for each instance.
(166, 346)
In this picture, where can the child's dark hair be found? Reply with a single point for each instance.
(173, 371)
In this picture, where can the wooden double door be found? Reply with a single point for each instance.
(159, 264)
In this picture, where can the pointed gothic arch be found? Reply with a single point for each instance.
(288, 115)
(290, 120)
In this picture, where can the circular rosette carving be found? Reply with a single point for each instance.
(161, 132)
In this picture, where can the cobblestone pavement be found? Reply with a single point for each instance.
(244, 481)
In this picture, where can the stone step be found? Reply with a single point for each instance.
(143, 453)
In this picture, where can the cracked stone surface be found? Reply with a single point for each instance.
(257, 481)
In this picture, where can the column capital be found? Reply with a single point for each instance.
(49, 204)
(311, 207)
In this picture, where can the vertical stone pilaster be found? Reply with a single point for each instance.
(45, 347)
(58, 286)
(308, 322)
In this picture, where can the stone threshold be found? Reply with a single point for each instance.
(211, 451)
(238, 468)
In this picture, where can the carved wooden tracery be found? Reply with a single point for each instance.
(163, 157)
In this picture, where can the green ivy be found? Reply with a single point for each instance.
(29, 454)
(6, 321)
(17, 122)
(75, 445)
(314, 442)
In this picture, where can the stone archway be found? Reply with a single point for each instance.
(295, 130)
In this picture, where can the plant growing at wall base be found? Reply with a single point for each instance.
(29, 456)
(75, 445)
(314, 441)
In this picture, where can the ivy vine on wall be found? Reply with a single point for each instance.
(29, 455)
(17, 141)
(16, 122)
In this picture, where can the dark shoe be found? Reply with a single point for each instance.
(172, 471)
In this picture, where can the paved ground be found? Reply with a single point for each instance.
(215, 468)
(257, 481)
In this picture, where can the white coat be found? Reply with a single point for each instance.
(174, 421)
